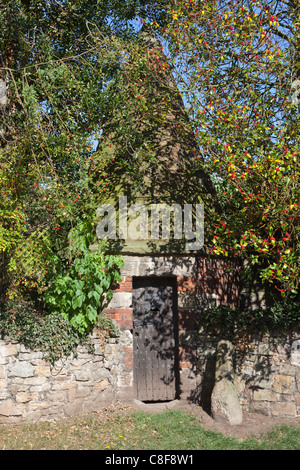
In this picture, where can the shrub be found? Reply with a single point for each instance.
(281, 316)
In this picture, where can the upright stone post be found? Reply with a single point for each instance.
(225, 403)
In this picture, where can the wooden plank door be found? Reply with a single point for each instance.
(154, 344)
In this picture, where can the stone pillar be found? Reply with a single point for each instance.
(225, 403)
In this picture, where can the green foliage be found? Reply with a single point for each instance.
(30, 262)
(59, 61)
(52, 334)
(57, 72)
(74, 69)
(282, 317)
(117, 429)
(236, 64)
(80, 288)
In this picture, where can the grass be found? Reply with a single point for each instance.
(170, 430)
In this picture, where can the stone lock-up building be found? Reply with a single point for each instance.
(156, 308)
(167, 281)
(158, 219)
(158, 225)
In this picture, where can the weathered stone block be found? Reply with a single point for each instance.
(284, 409)
(121, 300)
(225, 402)
(83, 391)
(287, 369)
(58, 396)
(43, 370)
(24, 397)
(100, 386)
(283, 384)
(21, 369)
(38, 405)
(35, 380)
(265, 395)
(261, 407)
(297, 399)
(82, 375)
(30, 356)
(9, 408)
(7, 350)
(45, 387)
(295, 353)
(72, 393)
(2, 372)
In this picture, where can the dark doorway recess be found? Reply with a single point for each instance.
(155, 346)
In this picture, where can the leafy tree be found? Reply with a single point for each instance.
(57, 62)
(148, 146)
(73, 72)
(237, 64)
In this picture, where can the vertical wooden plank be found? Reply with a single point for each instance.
(138, 341)
(148, 369)
(167, 320)
(154, 340)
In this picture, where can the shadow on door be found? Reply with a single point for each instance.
(155, 345)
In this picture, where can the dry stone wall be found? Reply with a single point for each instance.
(267, 375)
(267, 378)
(32, 390)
